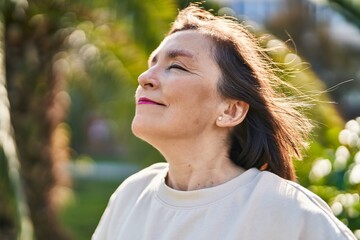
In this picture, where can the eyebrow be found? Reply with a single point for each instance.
(171, 54)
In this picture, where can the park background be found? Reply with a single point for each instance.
(68, 73)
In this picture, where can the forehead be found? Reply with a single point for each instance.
(188, 43)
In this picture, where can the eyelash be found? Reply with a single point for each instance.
(177, 67)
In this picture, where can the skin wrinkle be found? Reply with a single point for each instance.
(233, 76)
(189, 122)
(181, 55)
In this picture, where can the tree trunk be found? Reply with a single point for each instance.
(36, 88)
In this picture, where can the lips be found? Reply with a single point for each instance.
(144, 100)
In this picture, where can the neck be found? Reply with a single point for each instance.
(191, 166)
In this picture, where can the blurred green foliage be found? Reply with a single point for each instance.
(113, 53)
(335, 175)
(93, 44)
(100, 49)
(82, 213)
(348, 8)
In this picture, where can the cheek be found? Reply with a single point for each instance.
(196, 102)
(193, 92)
(205, 97)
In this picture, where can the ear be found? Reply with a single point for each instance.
(234, 114)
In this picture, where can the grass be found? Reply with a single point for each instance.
(83, 213)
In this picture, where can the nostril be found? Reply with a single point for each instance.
(149, 85)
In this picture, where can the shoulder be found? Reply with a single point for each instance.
(286, 190)
(284, 194)
(125, 198)
(141, 179)
(289, 200)
(147, 173)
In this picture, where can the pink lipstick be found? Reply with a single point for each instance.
(144, 100)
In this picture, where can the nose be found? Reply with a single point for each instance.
(148, 80)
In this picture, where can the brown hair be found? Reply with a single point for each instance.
(274, 130)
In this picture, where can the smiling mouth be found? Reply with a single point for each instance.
(143, 100)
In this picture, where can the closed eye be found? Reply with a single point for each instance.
(176, 66)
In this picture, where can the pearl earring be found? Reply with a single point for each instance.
(220, 118)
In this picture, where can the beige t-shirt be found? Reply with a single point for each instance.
(255, 205)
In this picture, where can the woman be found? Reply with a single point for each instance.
(208, 103)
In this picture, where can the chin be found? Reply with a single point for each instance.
(149, 132)
(135, 128)
(142, 129)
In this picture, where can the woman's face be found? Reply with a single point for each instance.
(177, 96)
